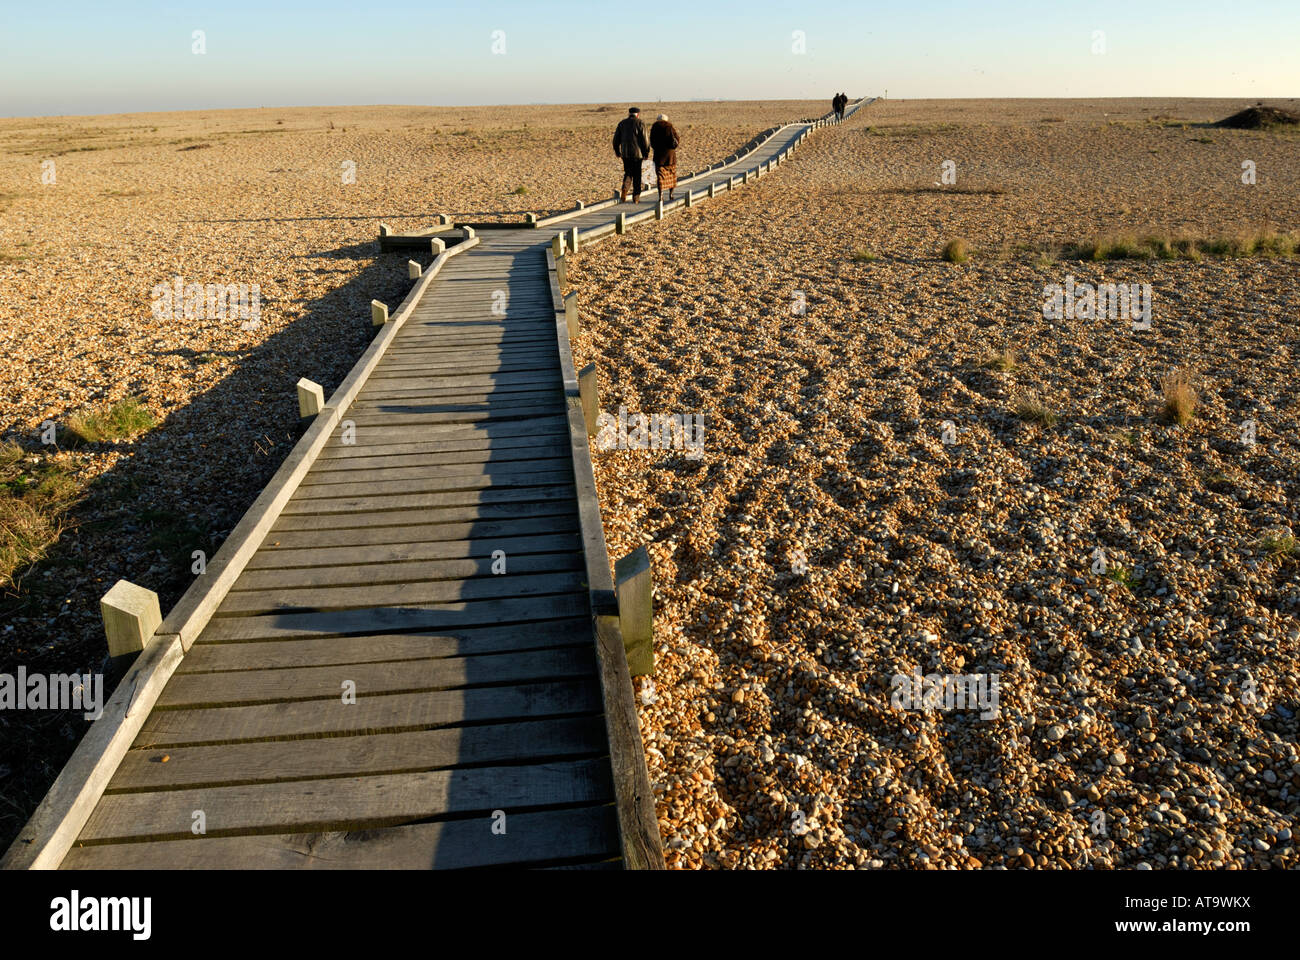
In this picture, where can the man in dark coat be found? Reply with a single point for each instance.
(632, 147)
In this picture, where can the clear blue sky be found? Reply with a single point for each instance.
(110, 56)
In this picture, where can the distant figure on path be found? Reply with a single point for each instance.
(841, 101)
(664, 142)
(835, 104)
(631, 146)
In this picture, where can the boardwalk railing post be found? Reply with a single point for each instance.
(378, 313)
(131, 615)
(530, 218)
(590, 400)
(620, 225)
(413, 270)
(690, 198)
(469, 232)
(384, 230)
(580, 206)
(634, 590)
(713, 189)
(443, 219)
(311, 398)
(557, 245)
(573, 239)
(562, 270)
(571, 314)
(659, 210)
(438, 246)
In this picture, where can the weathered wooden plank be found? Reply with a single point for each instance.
(374, 713)
(529, 838)
(245, 687)
(483, 512)
(375, 447)
(475, 396)
(311, 598)
(353, 573)
(408, 617)
(563, 520)
(482, 459)
(542, 473)
(392, 414)
(343, 474)
(380, 555)
(368, 427)
(349, 803)
(427, 501)
(324, 651)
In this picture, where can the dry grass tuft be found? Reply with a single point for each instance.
(117, 421)
(33, 498)
(956, 251)
(1179, 394)
(1031, 409)
(1004, 361)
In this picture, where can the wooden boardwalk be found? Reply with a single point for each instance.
(405, 673)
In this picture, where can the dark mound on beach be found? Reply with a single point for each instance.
(1259, 118)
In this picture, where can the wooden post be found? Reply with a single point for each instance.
(378, 313)
(384, 230)
(311, 398)
(690, 198)
(562, 270)
(443, 219)
(573, 239)
(571, 314)
(659, 210)
(468, 232)
(557, 244)
(131, 615)
(620, 224)
(413, 270)
(713, 190)
(437, 246)
(636, 611)
(580, 206)
(731, 183)
(744, 178)
(587, 393)
(530, 218)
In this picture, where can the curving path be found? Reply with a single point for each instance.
(415, 660)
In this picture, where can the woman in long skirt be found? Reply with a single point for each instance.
(664, 142)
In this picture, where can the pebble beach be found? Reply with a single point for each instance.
(873, 500)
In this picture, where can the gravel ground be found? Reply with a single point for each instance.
(253, 197)
(829, 539)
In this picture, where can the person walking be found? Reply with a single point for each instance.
(664, 142)
(632, 147)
